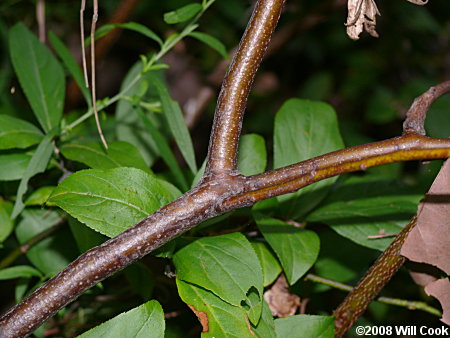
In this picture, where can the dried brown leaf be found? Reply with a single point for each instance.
(361, 14)
(440, 289)
(429, 241)
(281, 302)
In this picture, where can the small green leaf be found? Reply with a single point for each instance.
(19, 271)
(17, 133)
(270, 266)
(252, 155)
(226, 265)
(53, 253)
(40, 75)
(219, 318)
(6, 224)
(176, 122)
(212, 42)
(85, 237)
(110, 201)
(71, 64)
(297, 249)
(368, 206)
(13, 166)
(129, 127)
(144, 30)
(119, 154)
(308, 325)
(165, 151)
(40, 196)
(182, 14)
(37, 164)
(145, 321)
(304, 129)
(266, 325)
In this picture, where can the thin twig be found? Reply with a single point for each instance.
(40, 17)
(409, 304)
(83, 48)
(93, 80)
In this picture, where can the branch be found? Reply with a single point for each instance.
(236, 86)
(222, 188)
(371, 284)
(415, 117)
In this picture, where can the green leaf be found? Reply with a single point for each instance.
(145, 321)
(219, 318)
(129, 127)
(13, 166)
(334, 263)
(176, 122)
(132, 26)
(266, 325)
(309, 326)
(252, 155)
(368, 206)
(40, 75)
(85, 237)
(270, 266)
(297, 249)
(212, 42)
(119, 154)
(144, 30)
(110, 201)
(304, 129)
(37, 164)
(165, 151)
(53, 253)
(40, 196)
(17, 133)
(226, 265)
(6, 224)
(141, 279)
(71, 64)
(19, 271)
(182, 14)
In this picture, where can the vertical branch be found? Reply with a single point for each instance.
(93, 82)
(236, 87)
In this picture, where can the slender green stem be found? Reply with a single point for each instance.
(19, 251)
(337, 285)
(409, 304)
(166, 47)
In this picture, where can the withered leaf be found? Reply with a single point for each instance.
(429, 241)
(361, 14)
(281, 302)
(440, 289)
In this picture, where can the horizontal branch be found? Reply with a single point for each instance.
(296, 176)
